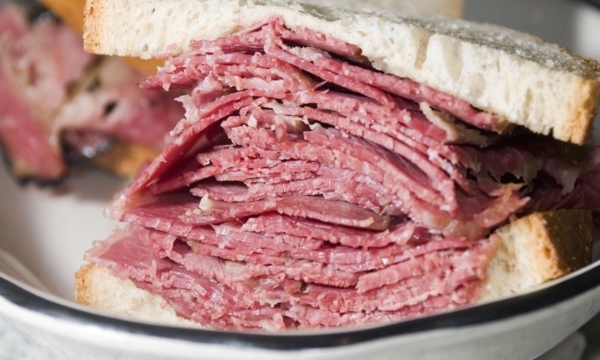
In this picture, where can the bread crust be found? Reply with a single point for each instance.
(541, 86)
(96, 287)
(569, 236)
(539, 248)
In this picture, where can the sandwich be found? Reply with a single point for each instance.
(339, 167)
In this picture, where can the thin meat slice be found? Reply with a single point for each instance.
(163, 214)
(221, 158)
(567, 185)
(140, 260)
(322, 64)
(232, 156)
(222, 71)
(200, 115)
(217, 212)
(202, 135)
(378, 164)
(404, 88)
(228, 242)
(262, 284)
(418, 267)
(272, 264)
(316, 40)
(353, 260)
(278, 173)
(335, 212)
(408, 127)
(490, 211)
(277, 49)
(238, 275)
(279, 224)
(342, 188)
(417, 165)
(405, 293)
(226, 192)
(267, 178)
(282, 241)
(437, 178)
(352, 145)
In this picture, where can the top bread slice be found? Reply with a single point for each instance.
(541, 86)
(534, 249)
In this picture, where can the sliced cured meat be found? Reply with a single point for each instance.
(306, 189)
(223, 294)
(282, 241)
(312, 229)
(402, 87)
(565, 184)
(329, 211)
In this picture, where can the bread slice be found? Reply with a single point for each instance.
(97, 288)
(531, 83)
(538, 248)
(534, 249)
(72, 13)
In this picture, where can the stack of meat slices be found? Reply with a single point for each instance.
(305, 189)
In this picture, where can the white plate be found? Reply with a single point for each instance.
(43, 236)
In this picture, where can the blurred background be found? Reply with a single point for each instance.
(575, 24)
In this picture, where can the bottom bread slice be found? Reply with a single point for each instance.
(97, 288)
(534, 249)
(538, 248)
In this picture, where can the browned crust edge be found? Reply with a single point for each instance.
(569, 237)
(91, 25)
(84, 284)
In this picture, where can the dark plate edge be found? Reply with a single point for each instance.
(477, 315)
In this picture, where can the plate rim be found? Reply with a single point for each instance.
(567, 288)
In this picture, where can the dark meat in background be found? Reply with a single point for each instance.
(60, 105)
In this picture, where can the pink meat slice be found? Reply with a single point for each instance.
(567, 185)
(312, 229)
(329, 211)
